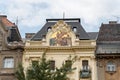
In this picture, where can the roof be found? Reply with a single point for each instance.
(29, 35)
(65, 19)
(5, 21)
(74, 22)
(109, 32)
(14, 34)
(108, 48)
(93, 35)
(108, 41)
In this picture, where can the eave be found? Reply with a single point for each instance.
(112, 55)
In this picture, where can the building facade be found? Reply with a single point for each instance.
(60, 38)
(11, 48)
(108, 51)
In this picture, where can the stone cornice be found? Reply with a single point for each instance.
(60, 48)
(14, 45)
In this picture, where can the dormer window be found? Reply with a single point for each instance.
(48, 29)
(44, 36)
(77, 36)
(74, 29)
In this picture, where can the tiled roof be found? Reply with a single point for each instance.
(109, 32)
(5, 21)
(14, 32)
(72, 22)
(110, 48)
(108, 41)
(93, 35)
(29, 35)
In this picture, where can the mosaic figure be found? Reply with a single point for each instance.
(60, 39)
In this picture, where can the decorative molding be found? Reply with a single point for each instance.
(14, 45)
(61, 48)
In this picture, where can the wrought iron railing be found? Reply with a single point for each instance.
(85, 73)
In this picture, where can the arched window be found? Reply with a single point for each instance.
(74, 29)
(111, 66)
(48, 29)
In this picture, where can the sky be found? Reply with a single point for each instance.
(31, 15)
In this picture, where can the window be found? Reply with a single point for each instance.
(85, 64)
(77, 36)
(48, 29)
(44, 36)
(74, 29)
(8, 62)
(111, 66)
(85, 72)
(52, 64)
(34, 63)
(68, 64)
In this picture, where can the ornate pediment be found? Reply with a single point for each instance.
(60, 34)
(61, 25)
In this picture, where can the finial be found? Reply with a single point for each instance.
(17, 20)
(63, 15)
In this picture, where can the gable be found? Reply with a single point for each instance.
(60, 35)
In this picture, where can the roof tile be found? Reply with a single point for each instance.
(5, 21)
(109, 32)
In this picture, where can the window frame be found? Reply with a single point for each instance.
(35, 62)
(52, 64)
(110, 66)
(68, 63)
(8, 62)
(85, 64)
(75, 29)
(48, 29)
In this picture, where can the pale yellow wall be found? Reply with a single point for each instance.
(83, 49)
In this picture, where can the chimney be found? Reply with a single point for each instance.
(29, 35)
(112, 22)
(2, 16)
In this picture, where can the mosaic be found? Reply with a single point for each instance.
(60, 38)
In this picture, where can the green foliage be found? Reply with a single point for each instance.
(41, 70)
(20, 73)
(61, 73)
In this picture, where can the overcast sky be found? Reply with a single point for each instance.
(32, 14)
